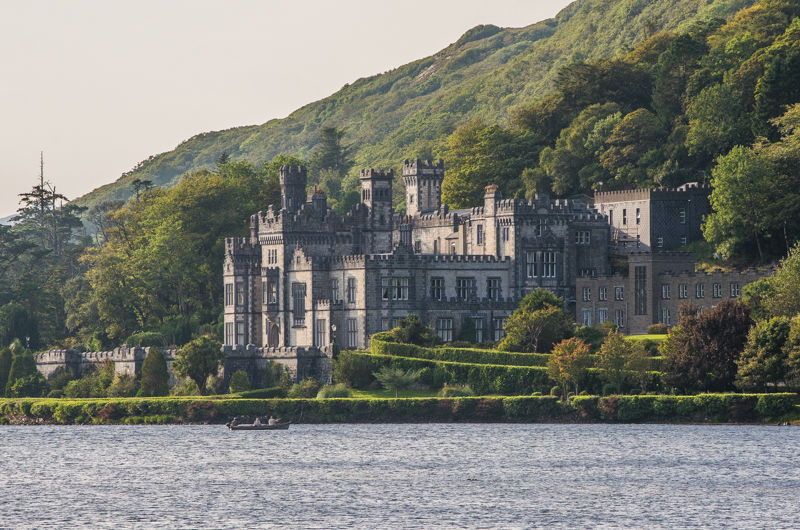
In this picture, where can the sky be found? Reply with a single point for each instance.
(99, 86)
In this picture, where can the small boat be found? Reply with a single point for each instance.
(263, 427)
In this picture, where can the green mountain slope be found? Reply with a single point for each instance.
(403, 113)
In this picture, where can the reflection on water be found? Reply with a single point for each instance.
(400, 476)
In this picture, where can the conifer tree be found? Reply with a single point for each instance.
(5, 368)
(155, 377)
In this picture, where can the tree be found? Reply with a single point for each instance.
(239, 382)
(764, 361)
(639, 364)
(638, 134)
(569, 362)
(396, 378)
(331, 153)
(17, 323)
(22, 366)
(155, 376)
(199, 360)
(700, 353)
(613, 359)
(784, 299)
(411, 330)
(537, 324)
(6, 358)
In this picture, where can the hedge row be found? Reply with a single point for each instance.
(707, 407)
(470, 355)
(492, 378)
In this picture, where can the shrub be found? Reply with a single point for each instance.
(33, 385)
(147, 338)
(657, 329)
(609, 389)
(456, 391)
(308, 388)
(333, 391)
(55, 394)
(155, 376)
(353, 370)
(556, 391)
(185, 387)
(124, 385)
(60, 378)
(775, 405)
(239, 382)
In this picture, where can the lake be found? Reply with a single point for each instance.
(401, 476)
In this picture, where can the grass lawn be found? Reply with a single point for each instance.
(654, 338)
(385, 394)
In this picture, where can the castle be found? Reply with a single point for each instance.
(307, 276)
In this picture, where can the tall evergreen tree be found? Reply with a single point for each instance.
(5, 368)
(155, 376)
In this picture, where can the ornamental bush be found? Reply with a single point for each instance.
(239, 382)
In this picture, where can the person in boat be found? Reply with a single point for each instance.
(235, 422)
(257, 423)
(272, 420)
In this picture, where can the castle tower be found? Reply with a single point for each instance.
(293, 187)
(376, 192)
(423, 182)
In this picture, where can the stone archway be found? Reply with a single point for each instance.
(274, 337)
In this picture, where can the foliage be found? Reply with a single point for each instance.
(657, 329)
(456, 391)
(264, 393)
(765, 359)
(155, 376)
(199, 360)
(396, 378)
(124, 385)
(17, 323)
(6, 358)
(23, 366)
(536, 324)
(411, 330)
(353, 370)
(334, 391)
(700, 354)
(307, 388)
(640, 363)
(569, 363)
(613, 359)
(239, 382)
(94, 381)
(33, 385)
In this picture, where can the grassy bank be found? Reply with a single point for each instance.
(718, 408)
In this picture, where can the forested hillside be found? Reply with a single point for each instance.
(409, 111)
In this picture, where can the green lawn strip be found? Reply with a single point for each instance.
(654, 338)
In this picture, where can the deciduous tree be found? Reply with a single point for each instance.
(198, 360)
(569, 362)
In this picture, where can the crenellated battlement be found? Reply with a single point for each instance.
(680, 193)
(417, 167)
(377, 174)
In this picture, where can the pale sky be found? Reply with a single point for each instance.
(99, 86)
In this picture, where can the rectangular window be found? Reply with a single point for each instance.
(611, 217)
(638, 216)
(399, 288)
(240, 333)
(465, 288)
(239, 294)
(602, 294)
(717, 290)
(587, 317)
(478, 329)
(539, 226)
(734, 290)
(228, 294)
(352, 333)
(619, 318)
(583, 237)
(619, 293)
(683, 241)
(335, 289)
(418, 246)
(499, 332)
(493, 288)
(452, 248)
(351, 290)
(299, 303)
(385, 290)
(700, 290)
(665, 316)
(682, 216)
(638, 241)
(321, 333)
(624, 216)
(640, 290)
(444, 328)
(479, 234)
(683, 291)
(229, 338)
(587, 294)
(436, 246)
(385, 324)
(437, 288)
(602, 315)
(530, 263)
(549, 264)
(272, 292)
(665, 292)
(660, 242)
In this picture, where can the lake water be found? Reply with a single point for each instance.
(401, 476)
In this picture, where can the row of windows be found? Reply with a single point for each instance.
(229, 298)
(681, 216)
(602, 293)
(238, 338)
(540, 264)
(444, 328)
(602, 316)
(699, 290)
(466, 288)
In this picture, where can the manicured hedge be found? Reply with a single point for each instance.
(469, 355)
(702, 408)
(261, 393)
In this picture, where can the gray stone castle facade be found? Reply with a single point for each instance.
(307, 276)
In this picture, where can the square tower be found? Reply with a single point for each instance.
(423, 182)
(376, 192)
(293, 187)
